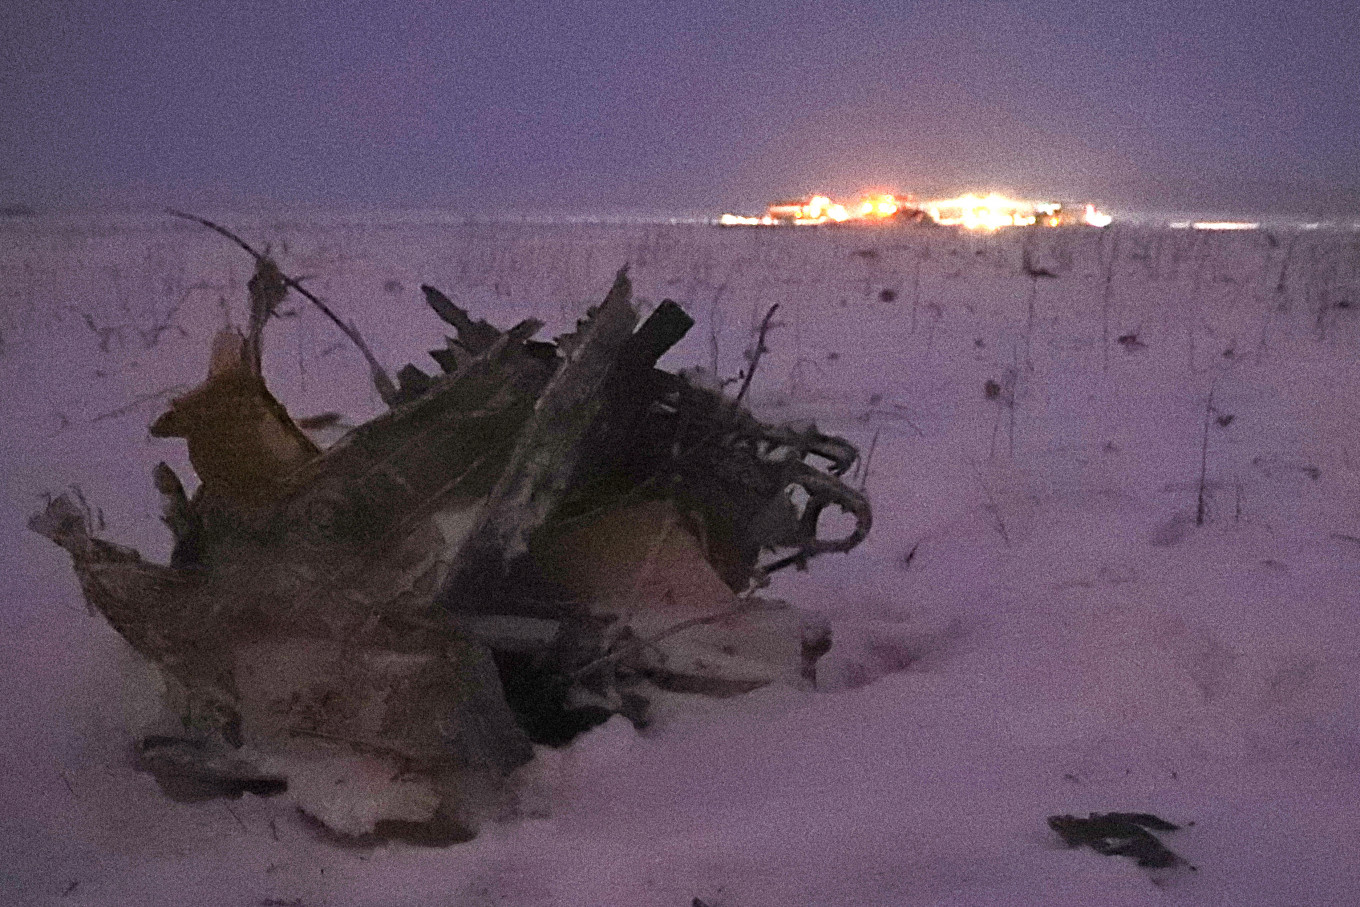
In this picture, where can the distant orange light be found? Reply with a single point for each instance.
(819, 209)
(878, 206)
(1225, 225)
(1095, 218)
(973, 212)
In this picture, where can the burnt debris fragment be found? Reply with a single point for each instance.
(531, 539)
(1121, 834)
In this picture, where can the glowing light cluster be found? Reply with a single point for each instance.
(737, 220)
(996, 211)
(878, 206)
(972, 212)
(1092, 217)
(990, 213)
(816, 210)
(1225, 225)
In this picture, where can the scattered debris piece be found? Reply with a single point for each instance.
(1274, 467)
(1121, 834)
(535, 538)
(1131, 343)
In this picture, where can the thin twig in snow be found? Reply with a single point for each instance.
(1200, 506)
(868, 461)
(915, 290)
(992, 507)
(386, 389)
(760, 350)
(236, 817)
(1105, 305)
(138, 401)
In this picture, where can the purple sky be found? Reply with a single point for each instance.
(679, 107)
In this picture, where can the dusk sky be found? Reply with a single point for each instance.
(679, 107)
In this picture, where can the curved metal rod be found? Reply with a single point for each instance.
(823, 490)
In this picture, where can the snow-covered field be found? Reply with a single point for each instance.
(1035, 626)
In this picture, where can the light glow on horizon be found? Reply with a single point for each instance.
(878, 205)
(1093, 217)
(971, 211)
(1226, 225)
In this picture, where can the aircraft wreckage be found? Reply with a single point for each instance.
(538, 537)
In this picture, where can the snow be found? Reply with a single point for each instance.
(1036, 624)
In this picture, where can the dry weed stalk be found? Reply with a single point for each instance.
(270, 280)
(1200, 506)
(760, 350)
(992, 507)
(1106, 293)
